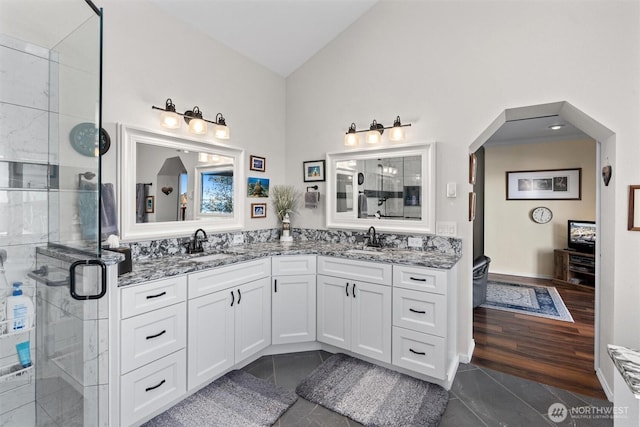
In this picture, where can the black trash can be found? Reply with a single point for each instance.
(480, 277)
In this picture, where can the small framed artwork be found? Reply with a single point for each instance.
(258, 210)
(473, 168)
(550, 184)
(258, 187)
(150, 204)
(258, 164)
(313, 170)
(472, 206)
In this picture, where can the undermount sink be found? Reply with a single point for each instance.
(365, 252)
(212, 257)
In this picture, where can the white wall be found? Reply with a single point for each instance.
(515, 244)
(150, 56)
(451, 68)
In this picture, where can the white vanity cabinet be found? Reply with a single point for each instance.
(293, 299)
(354, 306)
(423, 320)
(152, 344)
(229, 318)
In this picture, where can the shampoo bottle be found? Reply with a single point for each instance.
(19, 310)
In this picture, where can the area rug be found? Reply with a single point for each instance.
(237, 399)
(373, 395)
(541, 301)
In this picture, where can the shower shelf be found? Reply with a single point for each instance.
(13, 372)
(5, 330)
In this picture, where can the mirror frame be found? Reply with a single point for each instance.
(428, 191)
(126, 170)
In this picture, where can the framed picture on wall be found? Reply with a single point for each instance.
(258, 210)
(150, 204)
(472, 206)
(550, 184)
(313, 170)
(258, 164)
(473, 168)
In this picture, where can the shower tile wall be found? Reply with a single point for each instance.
(24, 130)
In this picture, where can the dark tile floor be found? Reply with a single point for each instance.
(479, 397)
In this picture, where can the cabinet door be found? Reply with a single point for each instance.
(211, 337)
(294, 309)
(253, 318)
(334, 311)
(371, 320)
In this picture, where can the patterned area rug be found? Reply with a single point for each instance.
(373, 395)
(237, 399)
(541, 301)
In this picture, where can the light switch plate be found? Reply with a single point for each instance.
(238, 239)
(414, 242)
(451, 190)
(446, 228)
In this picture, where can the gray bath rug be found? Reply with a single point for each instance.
(237, 399)
(373, 395)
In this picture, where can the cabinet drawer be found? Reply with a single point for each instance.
(153, 295)
(420, 311)
(153, 335)
(372, 272)
(293, 265)
(420, 279)
(217, 279)
(419, 352)
(152, 387)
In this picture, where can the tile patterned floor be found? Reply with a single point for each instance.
(479, 397)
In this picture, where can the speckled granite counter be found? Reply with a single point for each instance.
(158, 268)
(627, 362)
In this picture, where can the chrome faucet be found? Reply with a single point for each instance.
(373, 240)
(195, 246)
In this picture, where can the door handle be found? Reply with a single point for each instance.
(275, 285)
(232, 298)
(72, 279)
(346, 289)
(354, 290)
(239, 296)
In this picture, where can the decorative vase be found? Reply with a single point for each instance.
(285, 235)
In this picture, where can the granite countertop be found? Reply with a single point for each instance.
(158, 268)
(627, 361)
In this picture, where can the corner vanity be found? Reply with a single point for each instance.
(179, 323)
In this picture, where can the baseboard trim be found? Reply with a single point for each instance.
(605, 386)
(466, 357)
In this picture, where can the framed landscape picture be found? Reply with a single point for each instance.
(313, 170)
(258, 164)
(258, 210)
(550, 184)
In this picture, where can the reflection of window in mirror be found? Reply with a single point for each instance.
(216, 191)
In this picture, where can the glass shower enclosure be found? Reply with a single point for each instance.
(51, 63)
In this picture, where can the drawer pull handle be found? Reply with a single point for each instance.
(155, 386)
(354, 290)
(421, 353)
(346, 289)
(417, 311)
(156, 296)
(418, 279)
(239, 296)
(150, 337)
(233, 298)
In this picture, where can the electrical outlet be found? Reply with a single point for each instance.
(238, 239)
(414, 242)
(446, 228)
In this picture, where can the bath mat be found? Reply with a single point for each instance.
(237, 399)
(373, 395)
(541, 301)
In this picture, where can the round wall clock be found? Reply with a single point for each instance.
(83, 136)
(541, 215)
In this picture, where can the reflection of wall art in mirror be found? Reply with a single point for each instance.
(258, 210)
(473, 168)
(552, 184)
(313, 170)
(150, 204)
(634, 208)
(258, 164)
(472, 206)
(258, 187)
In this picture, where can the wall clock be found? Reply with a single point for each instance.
(83, 136)
(541, 215)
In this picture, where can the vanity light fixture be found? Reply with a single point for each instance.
(170, 119)
(375, 131)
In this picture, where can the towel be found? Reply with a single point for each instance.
(142, 191)
(88, 210)
(362, 206)
(108, 214)
(311, 199)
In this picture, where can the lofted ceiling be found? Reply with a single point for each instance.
(279, 34)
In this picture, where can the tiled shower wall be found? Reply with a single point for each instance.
(24, 130)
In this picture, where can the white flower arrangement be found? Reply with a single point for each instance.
(285, 199)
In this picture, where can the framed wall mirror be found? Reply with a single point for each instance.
(391, 188)
(634, 208)
(194, 184)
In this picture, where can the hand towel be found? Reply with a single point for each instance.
(108, 212)
(311, 199)
(362, 206)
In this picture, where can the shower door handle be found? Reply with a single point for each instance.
(103, 279)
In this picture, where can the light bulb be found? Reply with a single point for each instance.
(396, 133)
(197, 126)
(221, 131)
(373, 137)
(170, 120)
(351, 139)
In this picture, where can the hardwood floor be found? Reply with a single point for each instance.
(548, 351)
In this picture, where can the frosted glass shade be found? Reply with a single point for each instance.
(373, 137)
(197, 126)
(396, 134)
(170, 120)
(351, 139)
(222, 132)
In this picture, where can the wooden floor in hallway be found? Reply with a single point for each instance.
(548, 351)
